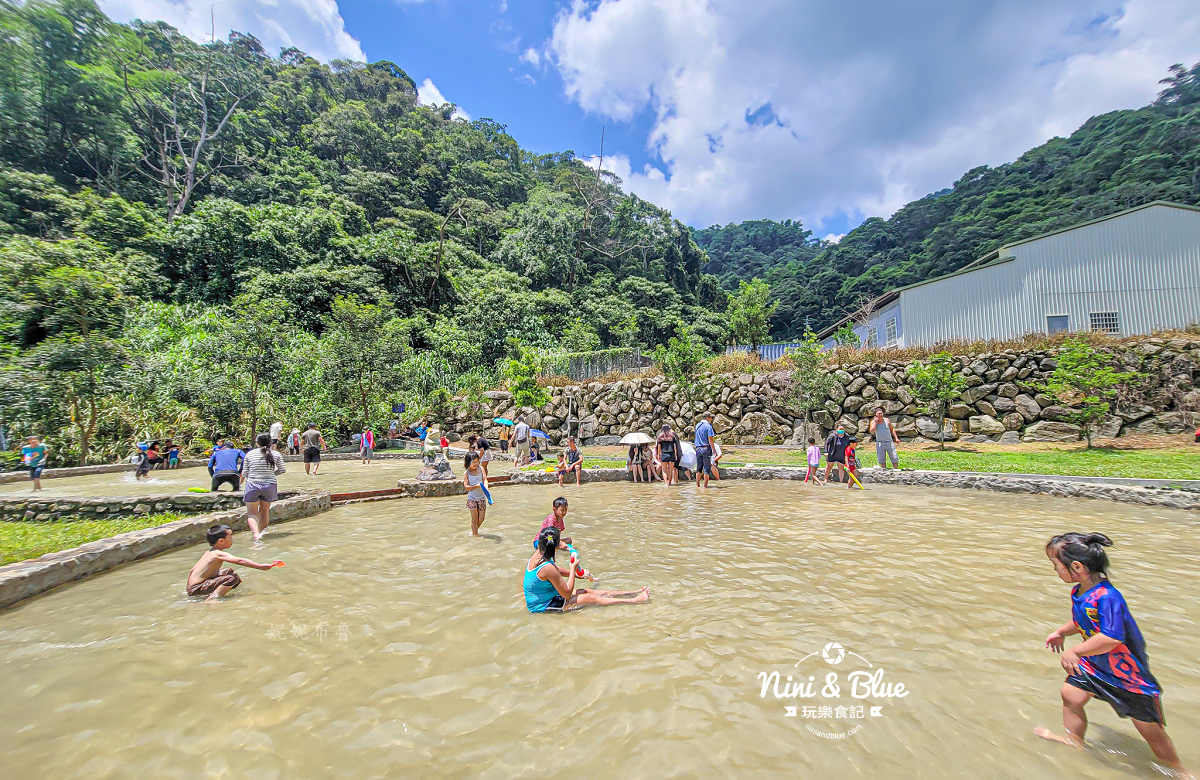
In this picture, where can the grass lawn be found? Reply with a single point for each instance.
(1160, 457)
(21, 539)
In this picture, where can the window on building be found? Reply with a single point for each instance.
(1105, 322)
(1056, 323)
(872, 338)
(891, 332)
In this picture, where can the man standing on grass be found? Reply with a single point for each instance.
(704, 449)
(885, 440)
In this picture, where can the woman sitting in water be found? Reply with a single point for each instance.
(551, 589)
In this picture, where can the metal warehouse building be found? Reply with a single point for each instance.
(1131, 272)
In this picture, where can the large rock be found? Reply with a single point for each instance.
(1168, 422)
(587, 427)
(1027, 407)
(1134, 412)
(439, 471)
(853, 403)
(1003, 405)
(985, 408)
(1010, 437)
(928, 427)
(973, 394)
(1008, 390)
(958, 411)
(986, 425)
(1058, 413)
(1013, 421)
(1050, 430)
(1109, 427)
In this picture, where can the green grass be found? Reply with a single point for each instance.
(1142, 464)
(1098, 462)
(21, 539)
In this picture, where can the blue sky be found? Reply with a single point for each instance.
(724, 110)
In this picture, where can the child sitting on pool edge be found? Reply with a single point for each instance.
(207, 578)
(1111, 662)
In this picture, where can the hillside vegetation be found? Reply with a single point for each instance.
(1113, 162)
(197, 236)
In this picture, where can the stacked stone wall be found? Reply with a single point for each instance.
(1004, 401)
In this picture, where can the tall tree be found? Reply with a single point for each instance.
(938, 382)
(362, 350)
(749, 312)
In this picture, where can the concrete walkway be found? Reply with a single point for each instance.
(1174, 484)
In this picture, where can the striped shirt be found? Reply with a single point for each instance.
(256, 469)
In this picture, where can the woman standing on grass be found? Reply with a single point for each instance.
(473, 479)
(260, 479)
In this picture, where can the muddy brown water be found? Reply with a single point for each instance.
(394, 645)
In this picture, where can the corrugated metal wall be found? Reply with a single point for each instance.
(1144, 265)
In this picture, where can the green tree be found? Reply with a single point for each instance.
(810, 382)
(362, 350)
(749, 312)
(1085, 379)
(520, 374)
(246, 350)
(845, 336)
(938, 383)
(682, 360)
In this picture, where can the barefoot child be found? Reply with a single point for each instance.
(555, 520)
(33, 454)
(814, 460)
(1111, 662)
(207, 578)
(549, 589)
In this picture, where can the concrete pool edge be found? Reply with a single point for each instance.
(24, 579)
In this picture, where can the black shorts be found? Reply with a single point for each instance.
(312, 455)
(1138, 706)
(221, 479)
(556, 604)
(669, 458)
(836, 459)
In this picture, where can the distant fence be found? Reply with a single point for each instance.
(767, 352)
(579, 366)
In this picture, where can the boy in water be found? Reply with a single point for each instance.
(555, 520)
(207, 578)
(34, 456)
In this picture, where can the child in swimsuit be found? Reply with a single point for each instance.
(207, 578)
(851, 464)
(1111, 662)
(555, 520)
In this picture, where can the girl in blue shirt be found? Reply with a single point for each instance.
(1111, 662)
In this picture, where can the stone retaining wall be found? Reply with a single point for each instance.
(82, 471)
(28, 578)
(1004, 401)
(39, 508)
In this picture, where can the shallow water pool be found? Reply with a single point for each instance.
(334, 475)
(394, 644)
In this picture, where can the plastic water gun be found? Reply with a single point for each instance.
(579, 570)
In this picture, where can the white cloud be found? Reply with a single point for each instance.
(531, 57)
(503, 7)
(313, 26)
(833, 238)
(428, 94)
(776, 109)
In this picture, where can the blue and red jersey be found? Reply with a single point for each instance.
(1102, 610)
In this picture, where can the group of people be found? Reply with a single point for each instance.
(840, 453)
(668, 457)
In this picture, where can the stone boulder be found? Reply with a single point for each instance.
(958, 411)
(1027, 407)
(439, 471)
(986, 425)
(1168, 422)
(1058, 413)
(1013, 421)
(1010, 437)
(1050, 430)
(928, 427)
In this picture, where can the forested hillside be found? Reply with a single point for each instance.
(1114, 161)
(197, 236)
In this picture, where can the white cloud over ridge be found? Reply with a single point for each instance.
(313, 26)
(777, 109)
(428, 94)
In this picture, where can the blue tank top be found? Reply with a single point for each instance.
(538, 592)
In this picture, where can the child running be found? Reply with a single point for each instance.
(1111, 661)
(207, 578)
(34, 456)
(548, 589)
